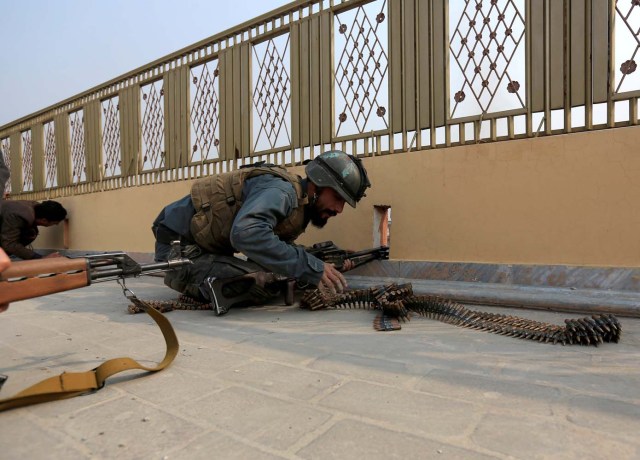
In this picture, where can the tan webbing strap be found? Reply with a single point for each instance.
(70, 384)
(229, 196)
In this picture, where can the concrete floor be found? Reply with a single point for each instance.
(281, 382)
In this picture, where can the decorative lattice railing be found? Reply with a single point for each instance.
(371, 77)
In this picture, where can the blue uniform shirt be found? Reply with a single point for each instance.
(267, 200)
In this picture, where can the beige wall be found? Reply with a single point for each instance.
(570, 199)
(113, 220)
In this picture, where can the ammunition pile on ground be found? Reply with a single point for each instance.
(397, 303)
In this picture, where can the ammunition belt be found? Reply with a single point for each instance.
(397, 303)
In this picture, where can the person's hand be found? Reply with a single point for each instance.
(4, 264)
(332, 280)
(53, 255)
(347, 265)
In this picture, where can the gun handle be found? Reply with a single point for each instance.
(33, 278)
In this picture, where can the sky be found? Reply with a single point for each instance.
(53, 50)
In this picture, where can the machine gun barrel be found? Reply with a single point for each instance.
(327, 251)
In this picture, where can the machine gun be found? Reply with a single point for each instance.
(33, 278)
(230, 292)
(329, 252)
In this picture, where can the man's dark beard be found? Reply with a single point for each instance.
(318, 221)
(315, 216)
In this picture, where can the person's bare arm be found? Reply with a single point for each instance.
(4, 264)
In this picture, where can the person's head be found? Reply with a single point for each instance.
(49, 213)
(335, 178)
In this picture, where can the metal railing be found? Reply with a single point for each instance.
(371, 77)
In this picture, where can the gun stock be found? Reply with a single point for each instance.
(34, 278)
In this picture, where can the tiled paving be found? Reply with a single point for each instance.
(281, 382)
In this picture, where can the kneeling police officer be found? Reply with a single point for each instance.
(259, 211)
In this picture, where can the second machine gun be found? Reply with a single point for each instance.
(225, 297)
(328, 252)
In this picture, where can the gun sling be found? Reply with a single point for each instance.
(70, 384)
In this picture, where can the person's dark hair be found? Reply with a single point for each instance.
(50, 210)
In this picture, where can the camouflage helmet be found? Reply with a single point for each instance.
(341, 172)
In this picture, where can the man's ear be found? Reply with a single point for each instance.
(312, 191)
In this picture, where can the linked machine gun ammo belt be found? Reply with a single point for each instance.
(397, 303)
